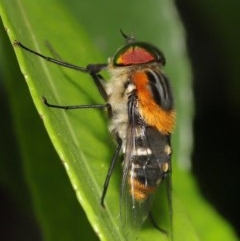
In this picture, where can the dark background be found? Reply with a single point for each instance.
(213, 37)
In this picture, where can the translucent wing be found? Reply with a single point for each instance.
(146, 162)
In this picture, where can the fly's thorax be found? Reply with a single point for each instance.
(146, 80)
(122, 83)
(118, 89)
(154, 96)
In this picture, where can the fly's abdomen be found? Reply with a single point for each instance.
(150, 163)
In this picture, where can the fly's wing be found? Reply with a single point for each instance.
(146, 162)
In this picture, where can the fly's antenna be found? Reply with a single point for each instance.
(128, 38)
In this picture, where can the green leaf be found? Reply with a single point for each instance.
(52, 195)
(80, 137)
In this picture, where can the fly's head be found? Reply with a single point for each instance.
(137, 53)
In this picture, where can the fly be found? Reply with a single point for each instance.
(142, 117)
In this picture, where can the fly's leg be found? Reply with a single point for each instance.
(95, 106)
(169, 198)
(71, 107)
(151, 218)
(110, 170)
(170, 211)
(117, 151)
(91, 69)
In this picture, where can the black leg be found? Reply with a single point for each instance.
(72, 107)
(151, 218)
(168, 180)
(52, 60)
(91, 69)
(170, 208)
(110, 170)
(97, 78)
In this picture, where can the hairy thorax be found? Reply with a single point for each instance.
(118, 89)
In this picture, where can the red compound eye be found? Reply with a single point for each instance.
(137, 53)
